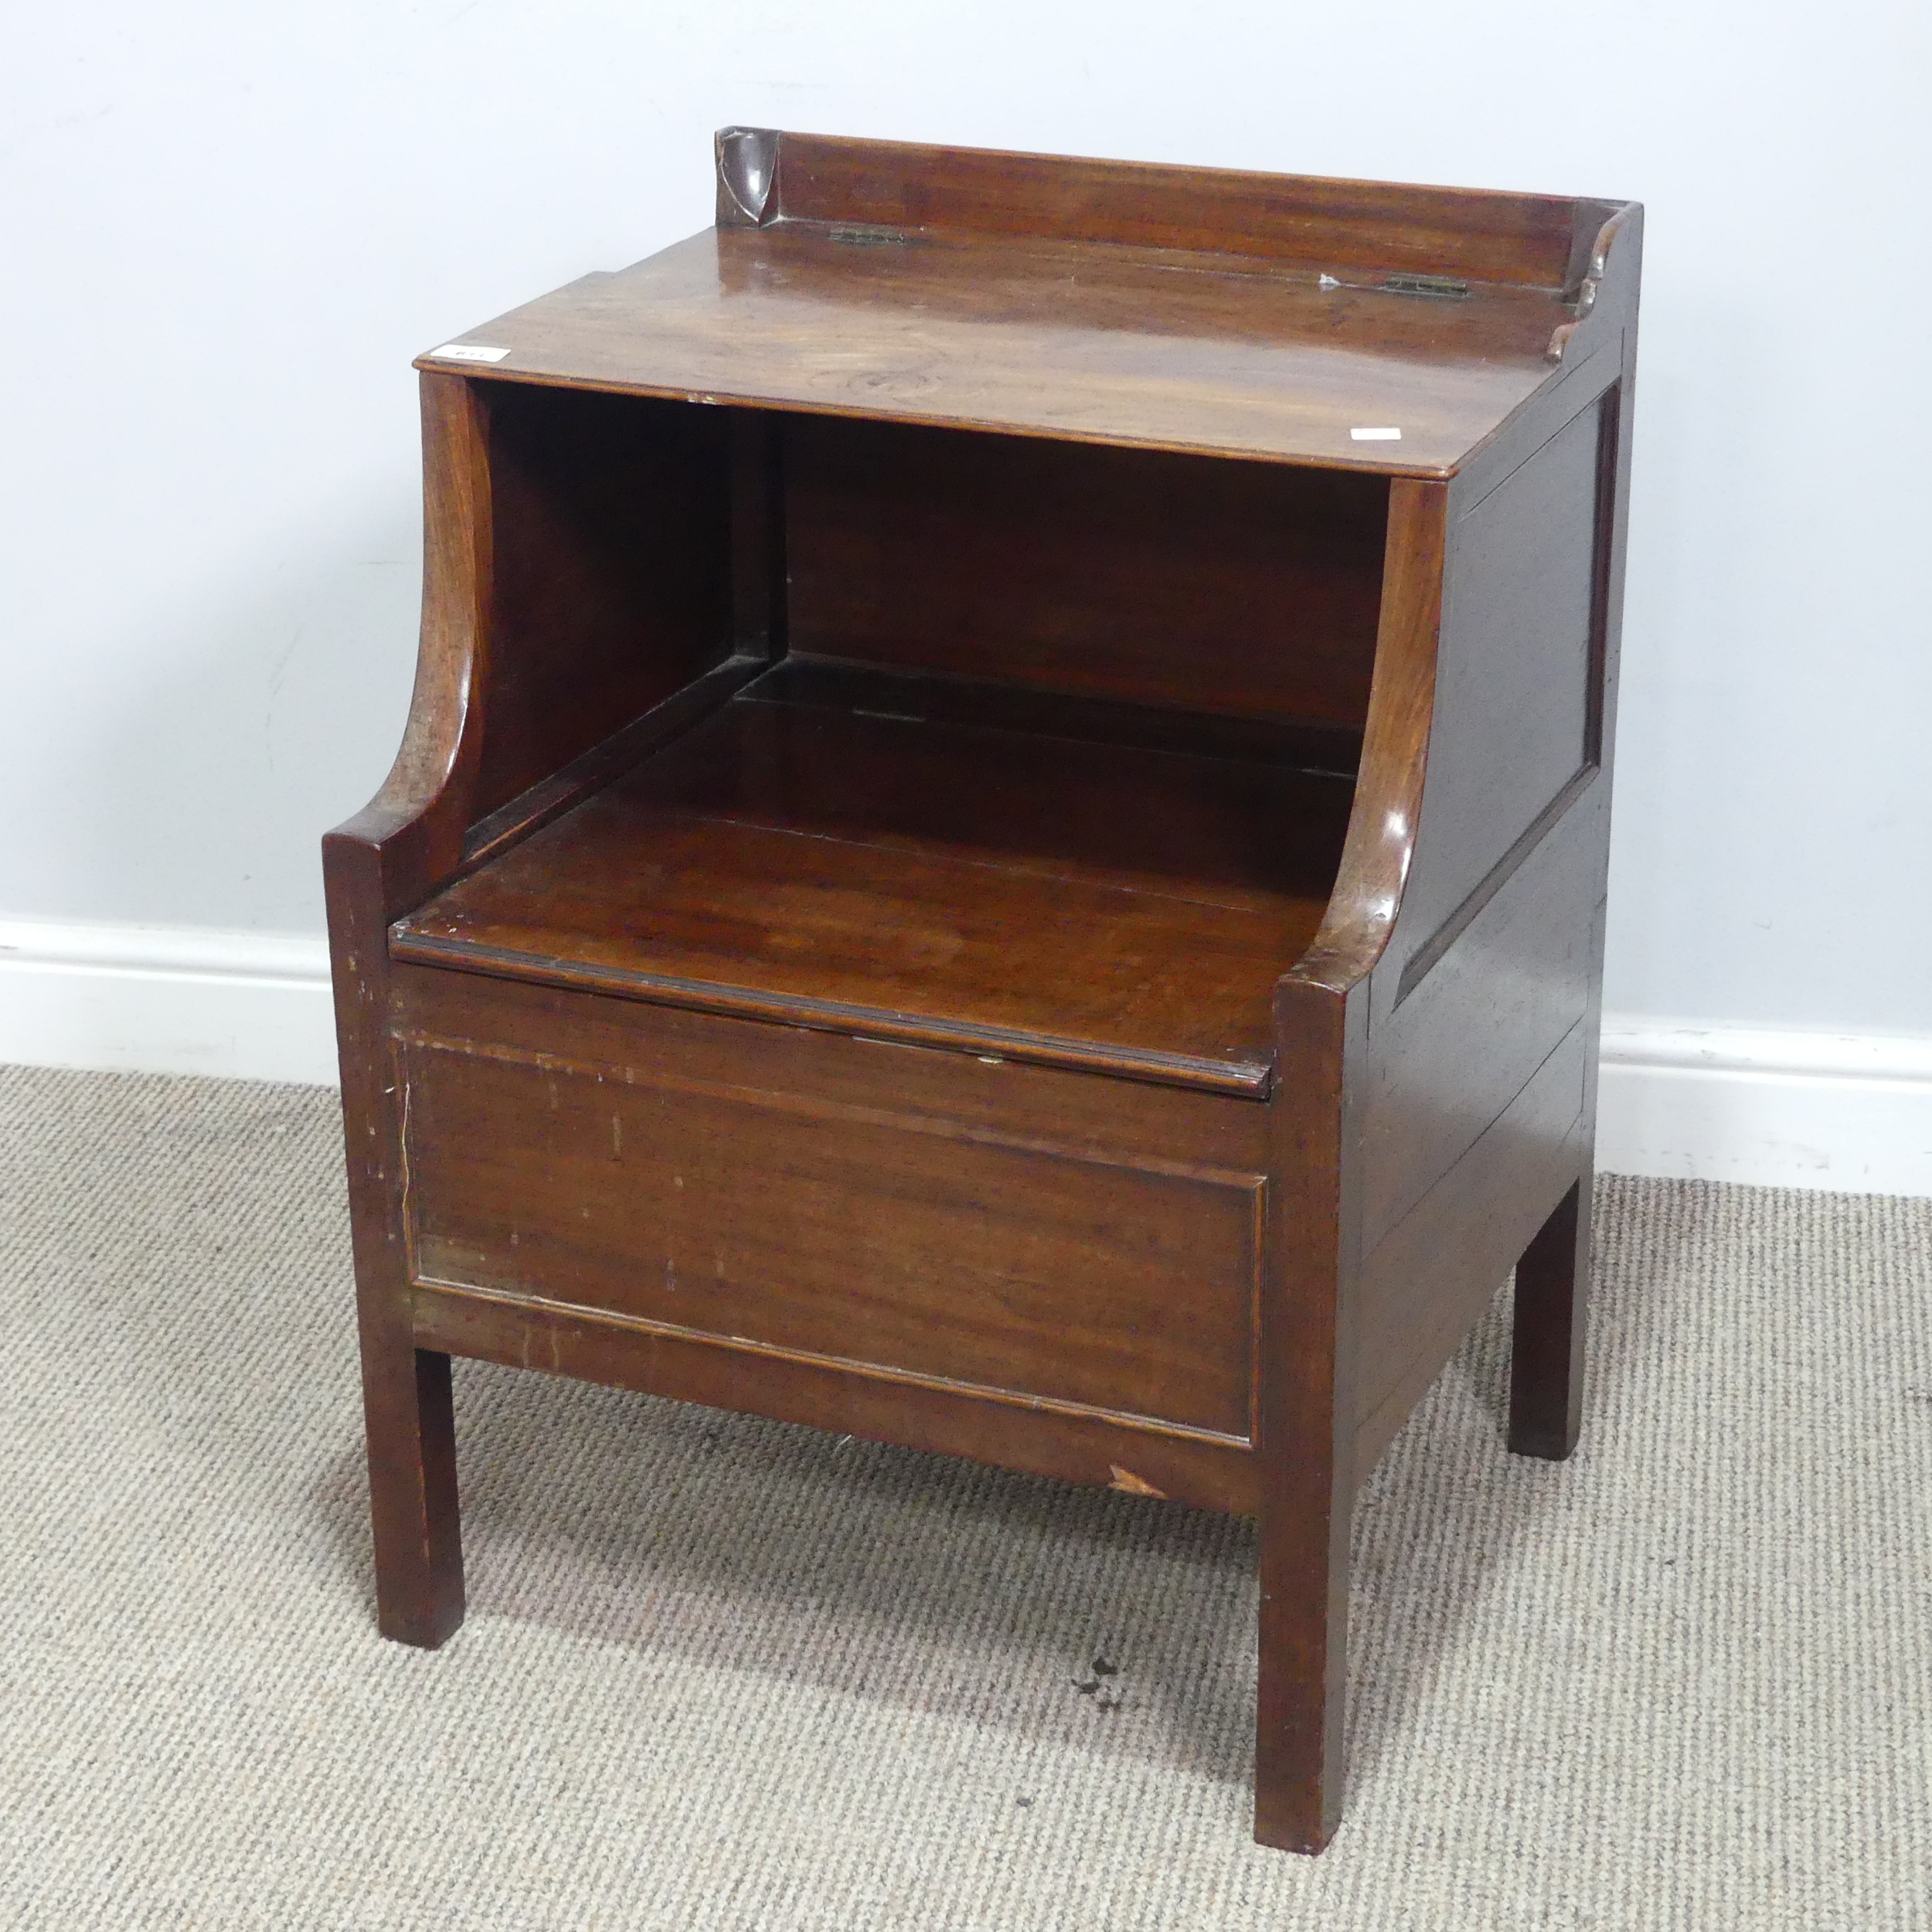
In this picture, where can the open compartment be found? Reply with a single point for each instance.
(1027, 748)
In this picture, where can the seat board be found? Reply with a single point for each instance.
(1068, 902)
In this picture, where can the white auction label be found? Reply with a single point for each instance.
(469, 352)
(1376, 435)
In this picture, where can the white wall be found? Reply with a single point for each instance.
(227, 228)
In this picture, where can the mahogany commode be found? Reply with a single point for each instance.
(1000, 843)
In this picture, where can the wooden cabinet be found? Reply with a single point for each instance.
(1000, 841)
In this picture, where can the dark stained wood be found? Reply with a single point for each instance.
(412, 831)
(1298, 744)
(915, 1246)
(1131, 1122)
(380, 862)
(1602, 229)
(1547, 1358)
(1308, 1401)
(1472, 1034)
(1310, 1323)
(609, 759)
(891, 914)
(1483, 236)
(1380, 843)
(1232, 359)
(1170, 581)
(1432, 1274)
(1587, 373)
(759, 603)
(1076, 904)
(1208, 1472)
(1524, 664)
(612, 588)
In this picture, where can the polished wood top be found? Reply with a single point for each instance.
(1252, 315)
(1231, 356)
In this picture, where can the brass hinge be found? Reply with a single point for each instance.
(871, 237)
(1442, 289)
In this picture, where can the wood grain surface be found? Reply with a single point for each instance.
(1077, 903)
(882, 1236)
(969, 866)
(1484, 234)
(1244, 590)
(1226, 356)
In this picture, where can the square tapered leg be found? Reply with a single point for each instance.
(1547, 1360)
(412, 1494)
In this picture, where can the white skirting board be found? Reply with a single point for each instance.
(153, 999)
(1848, 1113)
(1686, 1099)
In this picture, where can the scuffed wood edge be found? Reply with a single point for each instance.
(416, 820)
(1380, 844)
(1596, 268)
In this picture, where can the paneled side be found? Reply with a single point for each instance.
(1474, 1032)
(1245, 589)
(1431, 1276)
(613, 570)
(1518, 702)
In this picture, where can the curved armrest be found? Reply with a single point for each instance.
(414, 824)
(581, 573)
(1381, 839)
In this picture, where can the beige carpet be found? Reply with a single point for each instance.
(720, 1673)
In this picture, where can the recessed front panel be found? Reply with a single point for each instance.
(908, 1243)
